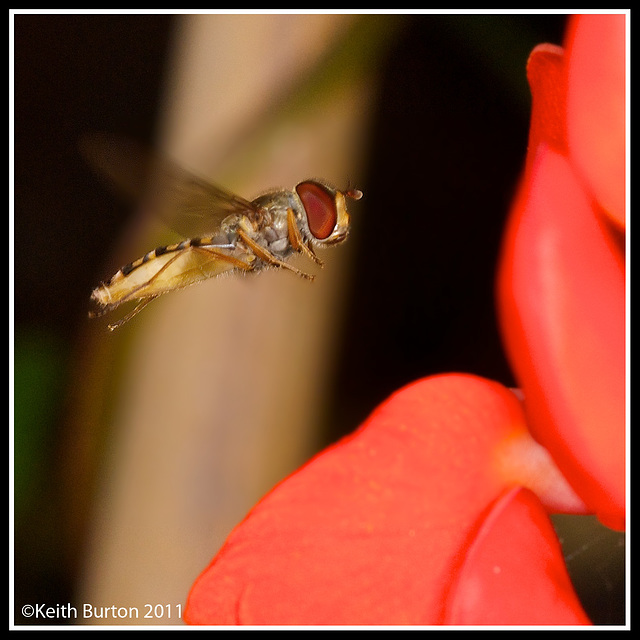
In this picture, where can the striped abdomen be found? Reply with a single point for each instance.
(171, 267)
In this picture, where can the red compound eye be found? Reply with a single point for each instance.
(320, 205)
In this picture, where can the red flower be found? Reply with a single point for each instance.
(434, 511)
(562, 281)
(375, 529)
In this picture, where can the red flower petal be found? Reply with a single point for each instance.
(596, 107)
(372, 529)
(561, 293)
(546, 75)
(515, 551)
(562, 283)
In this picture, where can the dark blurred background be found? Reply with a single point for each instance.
(446, 149)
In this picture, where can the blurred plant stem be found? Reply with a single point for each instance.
(218, 391)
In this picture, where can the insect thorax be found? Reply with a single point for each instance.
(273, 231)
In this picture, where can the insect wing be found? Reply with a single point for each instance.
(192, 206)
(187, 203)
(121, 162)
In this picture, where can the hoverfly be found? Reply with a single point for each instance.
(241, 236)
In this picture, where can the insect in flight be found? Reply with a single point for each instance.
(239, 235)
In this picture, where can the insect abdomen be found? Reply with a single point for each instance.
(169, 267)
(155, 253)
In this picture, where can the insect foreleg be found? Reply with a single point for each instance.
(296, 240)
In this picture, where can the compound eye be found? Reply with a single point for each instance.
(320, 205)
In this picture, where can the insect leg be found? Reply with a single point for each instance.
(296, 240)
(268, 257)
(219, 255)
(147, 290)
(138, 308)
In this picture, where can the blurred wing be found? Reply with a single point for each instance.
(191, 205)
